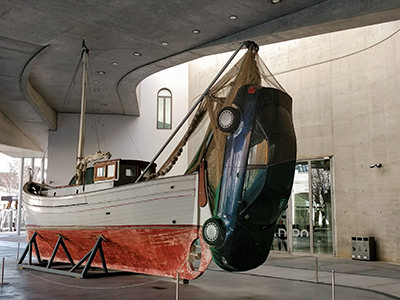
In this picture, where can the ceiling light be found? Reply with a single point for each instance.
(114, 63)
(275, 1)
(233, 17)
(137, 54)
(195, 31)
(164, 43)
(378, 165)
(101, 72)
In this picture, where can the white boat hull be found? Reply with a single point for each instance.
(150, 227)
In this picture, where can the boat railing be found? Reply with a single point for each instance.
(8, 219)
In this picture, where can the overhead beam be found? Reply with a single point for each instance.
(40, 105)
(12, 139)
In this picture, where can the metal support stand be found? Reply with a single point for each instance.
(28, 250)
(46, 266)
(60, 241)
(90, 256)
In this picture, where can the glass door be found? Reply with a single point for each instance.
(322, 206)
(300, 206)
(310, 208)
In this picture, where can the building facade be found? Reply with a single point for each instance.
(345, 88)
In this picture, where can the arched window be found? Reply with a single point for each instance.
(164, 109)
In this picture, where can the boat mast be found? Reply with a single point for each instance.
(85, 56)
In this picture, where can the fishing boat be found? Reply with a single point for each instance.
(142, 221)
(151, 227)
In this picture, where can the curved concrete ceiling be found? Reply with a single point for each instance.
(40, 45)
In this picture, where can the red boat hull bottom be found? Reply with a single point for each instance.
(153, 250)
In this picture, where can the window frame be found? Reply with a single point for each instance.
(163, 98)
(105, 165)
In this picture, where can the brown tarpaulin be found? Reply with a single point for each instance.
(250, 69)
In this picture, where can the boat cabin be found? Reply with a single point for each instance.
(121, 171)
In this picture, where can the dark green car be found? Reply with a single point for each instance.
(257, 178)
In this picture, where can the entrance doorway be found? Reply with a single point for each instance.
(310, 211)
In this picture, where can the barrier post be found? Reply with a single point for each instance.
(177, 287)
(18, 251)
(2, 273)
(333, 285)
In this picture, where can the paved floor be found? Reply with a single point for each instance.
(281, 277)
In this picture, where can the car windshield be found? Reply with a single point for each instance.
(256, 165)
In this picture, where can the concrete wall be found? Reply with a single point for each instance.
(124, 137)
(366, 121)
(346, 88)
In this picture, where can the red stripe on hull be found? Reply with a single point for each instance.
(154, 250)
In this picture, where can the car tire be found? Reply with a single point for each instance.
(228, 119)
(214, 232)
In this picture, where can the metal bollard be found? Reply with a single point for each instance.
(333, 285)
(316, 269)
(177, 287)
(2, 273)
(18, 251)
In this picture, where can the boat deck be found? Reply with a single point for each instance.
(281, 277)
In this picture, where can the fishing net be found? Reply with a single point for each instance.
(250, 69)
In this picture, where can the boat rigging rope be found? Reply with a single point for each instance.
(248, 70)
(71, 83)
(130, 138)
(97, 134)
(93, 287)
(339, 57)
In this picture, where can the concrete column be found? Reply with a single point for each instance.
(32, 169)
(42, 170)
(311, 207)
(21, 182)
(289, 218)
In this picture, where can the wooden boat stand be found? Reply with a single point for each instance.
(45, 266)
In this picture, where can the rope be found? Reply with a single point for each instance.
(93, 287)
(139, 154)
(97, 134)
(247, 70)
(72, 83)
(339, 57)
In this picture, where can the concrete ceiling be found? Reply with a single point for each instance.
(40, 45)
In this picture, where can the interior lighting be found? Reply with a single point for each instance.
(137, 54)
(114, 63)
(195, 31)
(275, 1)
(233, 17)
(164, 43)
(378, 165)
(101, 72)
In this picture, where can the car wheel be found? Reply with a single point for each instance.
(228, 119)
(213, 232)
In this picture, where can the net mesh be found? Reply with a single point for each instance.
(250, 69)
